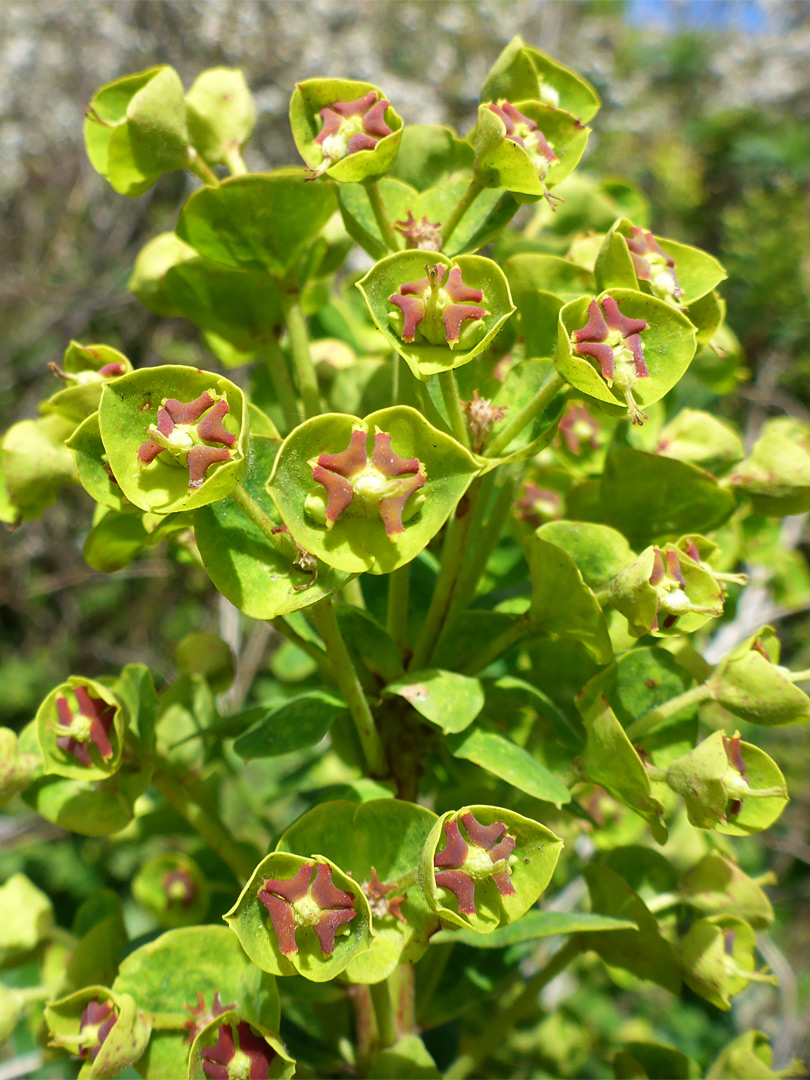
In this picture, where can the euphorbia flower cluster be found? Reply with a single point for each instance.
(614, 341)
(97, 1021)
(93, 723)
(186, 430)
(381, 485)
(349, 126)
(669, 583)
(437, 311)
(459, 865)
(523, 131)
(425, 235)
(654, 265)
(300, 902)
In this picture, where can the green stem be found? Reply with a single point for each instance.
(248, 505)
(384, 1012)
(797, 676)
(498, 645)
(200, 169)
(299, 348)
(390, 238)
(455, 542)
(323, 617)
(182, 791)
(503, 1021)
(656, 717)
(458, 425)
(461, 208)
(283, 387)
(352, 593)
(396, 619)
(402, 884)
(235, 162)
(552, 386)
(309, 647)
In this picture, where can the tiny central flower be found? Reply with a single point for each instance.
(384, 485)
(614, 341)
(459, 865)
(185, 430)
(91, 725)
(653, 264)
(291, 904)
(673, 592)
(438, 311)
(238, 1054)
(349, 126)
(524, 132)
(425, 235)
(201, 1016)
(97, 1021)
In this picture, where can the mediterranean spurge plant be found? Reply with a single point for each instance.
(456, 486)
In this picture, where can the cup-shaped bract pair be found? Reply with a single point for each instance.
(34, 465)
(526, 147)
(230, 1048)
(344, 129)
(81, 727)
(750, 682)
(301, 916)
(136, 129)
(437, 313)
(489, 874)
(104, 1029)
(173, 888)
(142, 126)
(523, 73)
(632, 257)
(176, 438)
(776, 475)
(17, 768)
(623, 348)
(729, 785)
(84, 370)
(368, 494)
(717, 954)
(664, 592)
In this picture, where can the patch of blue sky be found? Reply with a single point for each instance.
(749, 16)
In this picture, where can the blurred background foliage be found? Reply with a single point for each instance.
(706, 106)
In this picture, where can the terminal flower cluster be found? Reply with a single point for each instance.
(92, 724)
(437, 311)
(300, 902)
(349, 126)
(614, 341)
(186, 430)
(459, 865)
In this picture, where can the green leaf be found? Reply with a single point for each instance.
(446, 699)
(649, 498)
(152, 263)
(301, 722)
(118, 538)
(166, 976)
(749, 1057)
(611, 761)
(700, 439)
(221, 113)
(600, 553)
(407, 1057)
(135, 129)
(776, 475)
(241, 306)
(668, 344)
(562, 603)
(716, 885)
(91, 466)
(36, 463)
(430, 154)
(369, 643)
(386, 835)
(424, 358)
(256, 573)
(26, 919)
(359, 540)
(533, 926)
(654, 1061)
(643, 951)
(262, 221)
(509, 762)
(750, 683)
(523, 380)
(487, 216)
